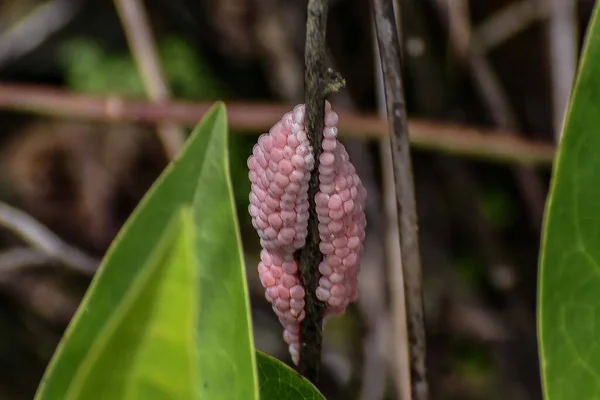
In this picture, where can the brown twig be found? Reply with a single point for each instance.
(400, 358)
(506, 23)
(141, 42)
(493, 94)
(390, 53)
(39, 236)
(310, 255)
(460, 140)
(35, 28)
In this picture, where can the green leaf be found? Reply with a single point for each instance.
(203, 156)
(147, 349)
(569, 280)
(278, 381)
(225, 340)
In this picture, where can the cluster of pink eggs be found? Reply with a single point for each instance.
(280, 167)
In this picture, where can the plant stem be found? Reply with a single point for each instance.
(390, 53)
(141, 42)
(309, 257)
(490, 145)
(40, 237)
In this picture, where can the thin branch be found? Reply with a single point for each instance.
(19, 258)
(390, 53)
(141, 42)
(508, 22)
(310, 256)
(493, 94)
(39, 236)
(400, 358)
(245, 118)
(283, 65)
(36, 28)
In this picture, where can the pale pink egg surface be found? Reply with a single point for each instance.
(280, 168)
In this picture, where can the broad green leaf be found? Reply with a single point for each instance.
(147, 349)
(569, 275)
(278, 381)
(225, 341)
(131, 250)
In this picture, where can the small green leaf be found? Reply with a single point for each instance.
(278, 381)
(147, 349)
(569, 275)
(225, 341)
(130, 251)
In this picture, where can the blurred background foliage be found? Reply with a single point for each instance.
(479, 221)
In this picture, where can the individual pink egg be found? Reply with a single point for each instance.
(342, 252)
(285, 166)
(322, 294)
(279, 141)
(290, 267)
(331, 118)
(275, 221)
(335, 226)
(325, 268)
(326, 170)
(297, 305)
(337, 214)
(326, 158)
(281, 180)
(282, 304)
(326, 188)
(329, 144)
(350, 259)
(267, 279)
(276, 154)
(334, 260)
(293, 141)
(325, 283)
(335, 202)
(335, 301)
(336, 278)
(286, 234)
(326, 248)
(293, 188)
(330, 132)
(283, 292)
(296, 176)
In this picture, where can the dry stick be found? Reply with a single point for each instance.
(493, 94)
(460, 140)
(36, 28)
(141, 42)
(310, 256)
(508, 22)
(390, 53)
(39, 236)
(400, 358)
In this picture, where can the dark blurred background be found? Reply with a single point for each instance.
(503, 65)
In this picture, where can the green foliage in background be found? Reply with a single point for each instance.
(91, 68)
(167, 315)
(569, 274)
(497, 206)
